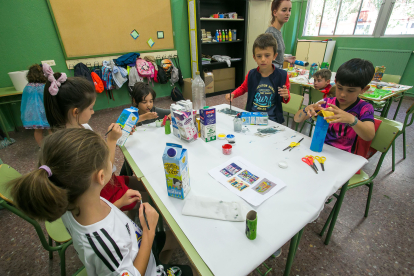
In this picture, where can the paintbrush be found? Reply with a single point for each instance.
(110, 130)
(230, 102)
(145, 216)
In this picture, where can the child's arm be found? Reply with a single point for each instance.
(112, 138)
(307, 112)
(129, 197)
(239, 91)
(142, 259)
(365, 130)
(284, 92)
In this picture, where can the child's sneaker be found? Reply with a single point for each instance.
(277, 253)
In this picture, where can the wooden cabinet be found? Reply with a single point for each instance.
(315, 51)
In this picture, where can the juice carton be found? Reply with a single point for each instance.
(255, 118)
(175, 159)
(174, 125)
(127, 121)
(185, 124)
(208, 124)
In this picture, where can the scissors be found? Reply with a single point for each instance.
(313, 161)
(293, 144)
(309, 160)
(321, 160)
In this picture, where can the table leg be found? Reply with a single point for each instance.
(386, 108)
(294, 243)
(336, 212)
(398, 107)
(11, 116)
(3, 126)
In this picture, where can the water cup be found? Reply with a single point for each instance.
(238, 123)
(251, 225)
(158, 123)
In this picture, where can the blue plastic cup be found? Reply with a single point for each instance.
(319, 134)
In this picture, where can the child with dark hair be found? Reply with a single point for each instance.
(74, 166)
(352, 116)
(322, 81)
(267, 86)
(69, 104)
(32, 108)
(143, 97)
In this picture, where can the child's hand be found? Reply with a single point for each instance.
(133, 130)
(152, 218)
(169, 117)
(284, 92)
(129, 197)
(229, 97)
(149, 116)
(116, 132)
(340, 115)
(312, 109)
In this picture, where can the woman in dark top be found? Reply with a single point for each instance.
(281, 10)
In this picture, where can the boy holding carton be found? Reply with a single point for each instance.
(352, 116)
(266, 85)
(322, 81)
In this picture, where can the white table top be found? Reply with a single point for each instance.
(223, 244)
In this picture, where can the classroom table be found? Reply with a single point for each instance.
(220, 247)
(6, 92)
(398, 90)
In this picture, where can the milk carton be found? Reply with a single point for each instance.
(127, 121)
(175, 130)
(208, 124)
(255, 118)
(175, 159)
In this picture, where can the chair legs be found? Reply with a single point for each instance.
(404, 148)
(393, 155)
(51, 245)
(398, 107)
(371, 187)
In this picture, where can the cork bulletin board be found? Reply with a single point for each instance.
(104, 27)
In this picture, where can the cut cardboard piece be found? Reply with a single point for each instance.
(209, 81)
(325, 114)
(224, 79)
(187, 90)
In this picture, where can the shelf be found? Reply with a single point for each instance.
(205, 43)
(220, 63)
(221, 19)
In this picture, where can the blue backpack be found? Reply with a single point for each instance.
(126, 59)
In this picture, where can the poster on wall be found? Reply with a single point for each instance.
(246, 180)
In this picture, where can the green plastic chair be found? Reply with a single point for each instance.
(401, 130)
(384, 138)
(400, 97)
(315, 95)
(81, 272)
(296, 89)
(56, 230)
(292, 107)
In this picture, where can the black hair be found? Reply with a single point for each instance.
(263, 41)
(75, 92)
(355, 73)
(140, 92)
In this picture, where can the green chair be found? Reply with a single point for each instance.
(399, 97)
(401, 130)
(56, 230)
(315, 95)
(384, 138)
(81, 272)
(296, 89)
(292, 107)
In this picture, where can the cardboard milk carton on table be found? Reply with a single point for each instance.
(175, 159)
(208, 124)
(127, 120)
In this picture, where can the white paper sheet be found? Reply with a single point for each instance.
(246, 180)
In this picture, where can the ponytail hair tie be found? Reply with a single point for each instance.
(47, 169)
(54, 83)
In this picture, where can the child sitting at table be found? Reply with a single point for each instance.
(267, 86)
(322, 81)
(352, 116)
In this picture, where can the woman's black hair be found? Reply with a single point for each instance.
(75, 92)
(140, 92)
(355, 72)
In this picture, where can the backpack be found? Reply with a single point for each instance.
(176, 94)
(126, 59)
(81, 70)
(145, 69)
(167, 66)
(180, 75)
(161, 77)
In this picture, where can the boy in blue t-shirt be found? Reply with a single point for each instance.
(267, 86)
(352, 116)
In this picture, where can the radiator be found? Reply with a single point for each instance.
(395, 61)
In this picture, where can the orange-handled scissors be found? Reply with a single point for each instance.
(313, 161)
(321, 160)
(309, 160)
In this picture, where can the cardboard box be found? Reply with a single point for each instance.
(127, 121)
(255, 118)
(208, 124)
(175, 159)
(224, 79)
(187, 90)
(209, 81)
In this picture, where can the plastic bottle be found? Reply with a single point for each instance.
(230, 36)
(199, 92)
(223, 36)
(227, 35)
(219, 36)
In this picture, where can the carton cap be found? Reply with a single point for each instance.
(171, 152)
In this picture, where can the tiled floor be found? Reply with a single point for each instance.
(382, 244)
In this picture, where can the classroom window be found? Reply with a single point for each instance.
(402, 18)
(341, 17)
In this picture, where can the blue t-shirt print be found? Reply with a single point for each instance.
(264, 99)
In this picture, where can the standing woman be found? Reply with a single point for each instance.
(281, 10)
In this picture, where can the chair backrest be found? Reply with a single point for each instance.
(384, 136)
(391, 78)
(296, 89)
(315, 95)
(294, 104)
(7, 174)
